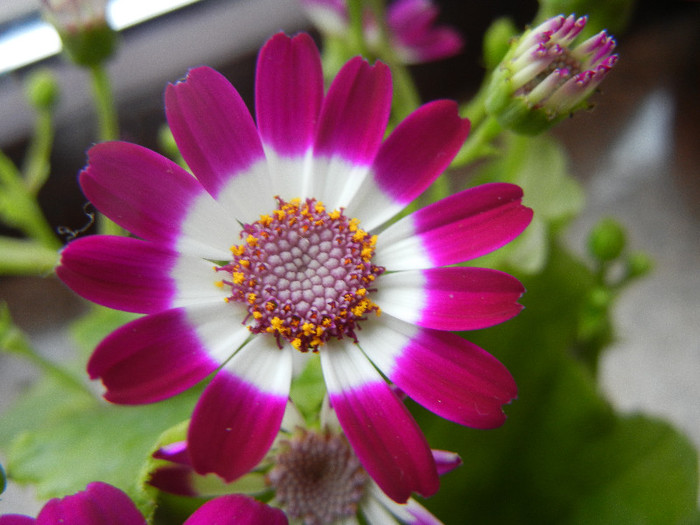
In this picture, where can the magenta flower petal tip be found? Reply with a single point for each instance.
(275, 246)
(98, 504)
(546, 75)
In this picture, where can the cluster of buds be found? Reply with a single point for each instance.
(544, 77)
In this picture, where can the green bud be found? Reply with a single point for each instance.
(638, 264)
(41, 89)
(90, 47)
(606, 240)
(497, 41)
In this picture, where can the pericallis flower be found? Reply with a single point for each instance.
(279, 245)
(413, 34)
(103, 504)
(544, 77)
(312, 474)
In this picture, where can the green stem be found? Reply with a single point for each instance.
(14, 341)
(37, 162)
(479, 143)
(19, 208)
(104, 104)
(108, 127)
(51, 368)
(26, 257)
(357, 31)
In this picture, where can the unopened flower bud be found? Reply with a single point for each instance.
(638, 264)
(544, 77)
(606, 240)
(87, 38)
(41, 89)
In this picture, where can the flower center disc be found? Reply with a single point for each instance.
(304, 274)
(317, 478)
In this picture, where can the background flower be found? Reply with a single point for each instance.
(413, 33)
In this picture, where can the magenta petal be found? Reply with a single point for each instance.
(174, 452)
(446, 461)
(212, 127)
(473, 222)
(174, 479)
(384, 435)
(446, 374)
(355, 113)
(412, 23)
(236, 509)
(139, 189)
(460, 227)
(288, 93)
(151, 358)
(119, 272)
(98, 504)
(16, 519)
(419, 150)
(240, 412)
(453, 298)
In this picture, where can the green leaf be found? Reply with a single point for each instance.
(60, 442)
(539, 166)
(308, 390)
(90, 329)
(563, 456)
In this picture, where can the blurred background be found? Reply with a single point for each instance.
(637, 154)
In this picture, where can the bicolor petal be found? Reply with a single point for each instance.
(288, 93)
(463, 226)
(155, 199)
(381, 509)
(351, 126)
(409, 160)
(218, 139)
(160, 355)
(453, 298)
(238, 416)
(448, 375)
(136, 276)
(288, 98)
(384, 435)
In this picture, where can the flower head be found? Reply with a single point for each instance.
(413, 33)
(313, 474)
(545, 77)
(279, 244)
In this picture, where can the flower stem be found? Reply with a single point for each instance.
(479, 143)
(19, 208)
(26, 257)
(14, 341)
(37, 162)
(108, 127)
(104, 103)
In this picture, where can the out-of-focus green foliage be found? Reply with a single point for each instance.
(564, 456)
